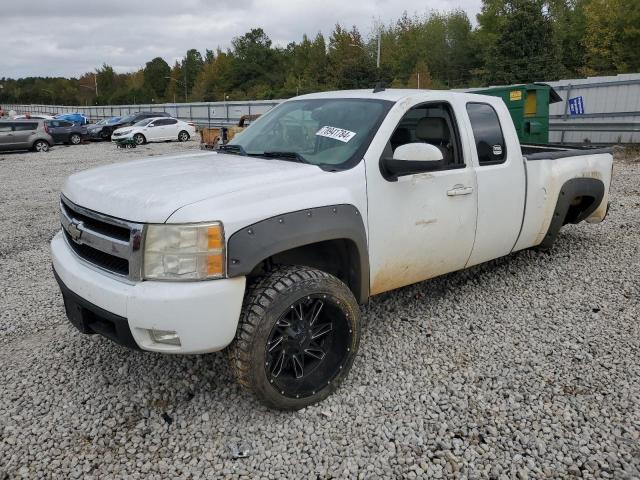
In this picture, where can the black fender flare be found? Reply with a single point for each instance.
(251, 245)
(576, 187)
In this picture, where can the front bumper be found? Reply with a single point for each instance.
(96, 135)
(128, 136)
(203, 314)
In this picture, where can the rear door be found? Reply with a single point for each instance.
(22, 133)
(501, 180)
(6, 136)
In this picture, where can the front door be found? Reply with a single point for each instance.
(422, 225)
(153, 131)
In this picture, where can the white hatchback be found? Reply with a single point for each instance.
(158, 129)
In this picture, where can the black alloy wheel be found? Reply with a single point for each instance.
(297, 338)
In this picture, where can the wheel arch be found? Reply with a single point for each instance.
(578, 198)
(331, 238)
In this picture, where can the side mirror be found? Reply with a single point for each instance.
(151, 125)
(413, 158)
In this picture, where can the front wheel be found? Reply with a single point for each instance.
(139, 139)
(183, 136)
(298, 335)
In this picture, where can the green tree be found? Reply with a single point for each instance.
(350, 63)
(256, 66)
(525, 49)
(156, 77)
(191, 65)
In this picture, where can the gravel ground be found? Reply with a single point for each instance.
(525, 367)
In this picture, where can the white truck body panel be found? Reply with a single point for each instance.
(151, 190)
(305, 186)
(545, 179)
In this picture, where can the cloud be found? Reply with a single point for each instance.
(70, 37)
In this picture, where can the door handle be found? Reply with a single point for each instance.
(459, 190)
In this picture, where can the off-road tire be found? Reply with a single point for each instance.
(267, 301)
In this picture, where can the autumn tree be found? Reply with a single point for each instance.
(612, 38)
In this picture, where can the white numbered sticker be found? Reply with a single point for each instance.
(336, 133)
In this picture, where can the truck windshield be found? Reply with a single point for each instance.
(333, 132)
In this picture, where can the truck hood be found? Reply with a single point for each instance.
(150, 190)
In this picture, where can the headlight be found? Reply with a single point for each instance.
(184, 252)
(124, 132)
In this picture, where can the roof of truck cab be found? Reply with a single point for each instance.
(390, 94)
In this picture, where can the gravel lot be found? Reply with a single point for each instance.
(525, 367)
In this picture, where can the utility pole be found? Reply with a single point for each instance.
(95, 79)
(185, 80)
(378, 57)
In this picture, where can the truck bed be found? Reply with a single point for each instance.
(553, 152)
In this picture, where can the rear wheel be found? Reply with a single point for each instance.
(183, 136)
(139, 139)
(41, 146)
(75, 139)
(298, 336)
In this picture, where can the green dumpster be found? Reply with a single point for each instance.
(528, 105)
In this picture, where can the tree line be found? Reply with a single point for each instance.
(514, 41)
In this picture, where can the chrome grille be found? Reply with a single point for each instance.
(108, 243)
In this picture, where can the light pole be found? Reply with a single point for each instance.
(181, 83)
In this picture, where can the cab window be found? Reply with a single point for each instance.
(432, 123)
(487, 134)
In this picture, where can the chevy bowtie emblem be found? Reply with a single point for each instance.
(74, 230)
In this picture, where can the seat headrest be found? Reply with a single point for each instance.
(432, 129)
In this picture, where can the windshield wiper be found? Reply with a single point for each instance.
(285, 156)
(233, 149)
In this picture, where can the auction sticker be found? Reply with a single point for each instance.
(336, 133)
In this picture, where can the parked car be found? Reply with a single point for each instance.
(25, 135)
(78, 118)
(102, 130)
(268, 245)
(64, 131)
(158, 129)
(36, 116)
(134, 118)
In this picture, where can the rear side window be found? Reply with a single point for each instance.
(20, 127)
(487, 133)
(170, 122)
(5, 127)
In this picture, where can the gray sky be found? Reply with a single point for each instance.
(70, 37)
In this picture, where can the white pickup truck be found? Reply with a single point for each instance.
(268, 246)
